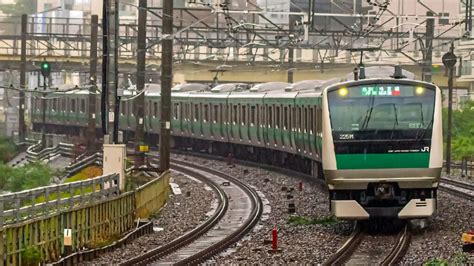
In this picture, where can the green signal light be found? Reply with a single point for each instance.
(45, 65)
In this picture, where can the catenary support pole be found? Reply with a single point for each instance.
(166, 79)
(21, 114)
(93, 82)
(428, 54)
(291, 50)
(450, 115)
(141, 62)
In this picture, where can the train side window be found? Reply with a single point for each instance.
(130, 109)
(215, 114)
(270, 116)
(234, 114)
(206, 113)
(244, 114)
(277, 116)
(320, 120)
(150, 108)
(196, 112)
(155, 109)
(123, 106)
(306, 119)
(285, 117)
(73, 105)
(64, 104)
(252, 115)
(83, 106)
(55, 107)
(311, 120)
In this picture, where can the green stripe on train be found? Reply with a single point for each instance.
(383, 160)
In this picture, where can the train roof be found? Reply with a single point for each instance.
(187, 87)
(269, 87)
(381, 72)
(230, 87)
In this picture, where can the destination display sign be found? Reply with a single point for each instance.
(383, 90)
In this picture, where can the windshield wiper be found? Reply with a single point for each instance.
(424, 132)
(365, 123)
(394, 123)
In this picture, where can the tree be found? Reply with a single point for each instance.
(19, 8)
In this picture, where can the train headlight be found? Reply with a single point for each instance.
(343, 92)
(419, 90)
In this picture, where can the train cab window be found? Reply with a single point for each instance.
(253, 115)
(73, 105)
(244, 114)
(215, 114)
(155, 109)
(206, 113)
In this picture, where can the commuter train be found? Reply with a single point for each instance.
(377, 142)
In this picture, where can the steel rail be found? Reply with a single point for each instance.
(348, 248)
(399, 250)
(173, 246)
(457, 183)
(250, 222)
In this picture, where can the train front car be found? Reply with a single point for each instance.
(382, 148)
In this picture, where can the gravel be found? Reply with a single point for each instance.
(299, 244)
(440, 238)
(178, 216)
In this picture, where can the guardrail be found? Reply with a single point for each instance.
(34, 154)
(45, 201)
(94, 159)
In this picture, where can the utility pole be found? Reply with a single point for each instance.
(46, 73)
(428, 53)
(166, 79)
(141, 57)
(291, 49)
(449, 60)
(110, 72)
(21, 118)
(93, 79)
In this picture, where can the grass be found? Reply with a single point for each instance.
(456, 259)
(299, 220)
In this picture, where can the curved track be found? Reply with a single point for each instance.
(457, 188)
(343, 254)
(211, 237)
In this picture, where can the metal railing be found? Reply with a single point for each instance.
(33, 153)
(46, 201)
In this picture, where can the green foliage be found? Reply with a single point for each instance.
(456, 259)
(436, 262)
(30, 256)
(298, 220)
(19, 8)
(22, 178)
(7, 150)
(462, 131)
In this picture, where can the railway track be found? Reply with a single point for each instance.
(347, 250)
(457, 188)
(225, 227)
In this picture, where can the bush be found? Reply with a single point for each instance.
(27, 177)
(462, 131)
(7, 150)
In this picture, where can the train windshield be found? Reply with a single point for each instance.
(385, 111)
